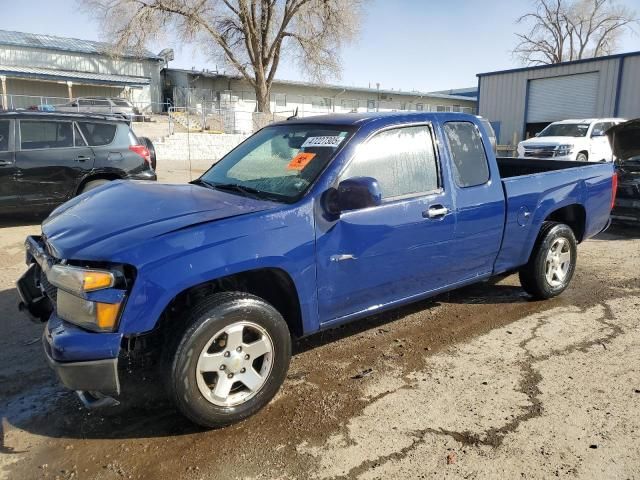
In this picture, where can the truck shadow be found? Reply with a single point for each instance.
(619, 231)
(46, 409)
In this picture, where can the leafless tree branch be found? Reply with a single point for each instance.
(252, 35)
(565, 30)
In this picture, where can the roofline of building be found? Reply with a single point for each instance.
(144, 56)
(329, 86)
(572, 62)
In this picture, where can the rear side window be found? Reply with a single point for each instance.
(4, 135)
(98, 134)
(470, 165)
(402, 160)
(43, 134)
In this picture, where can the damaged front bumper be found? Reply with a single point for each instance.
(84, 361)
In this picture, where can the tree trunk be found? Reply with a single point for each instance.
(262, 97)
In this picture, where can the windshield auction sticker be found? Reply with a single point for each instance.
(328, 141)
(300, 161)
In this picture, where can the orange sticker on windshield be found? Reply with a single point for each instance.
(300, 161)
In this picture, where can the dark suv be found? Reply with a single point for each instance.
(48, 158)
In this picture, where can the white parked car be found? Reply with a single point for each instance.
(581, 140)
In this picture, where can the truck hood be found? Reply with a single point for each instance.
(625, 141)
(121, 214)
(540, 141)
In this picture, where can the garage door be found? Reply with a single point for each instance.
(559, 98)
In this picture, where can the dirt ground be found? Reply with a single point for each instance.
(478, 383)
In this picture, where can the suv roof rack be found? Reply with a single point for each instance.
(37, 113)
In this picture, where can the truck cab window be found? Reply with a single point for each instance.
(470, 165)
(402, 160)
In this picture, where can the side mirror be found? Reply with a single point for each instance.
(537, 134)
(597, 133)
(353, 194)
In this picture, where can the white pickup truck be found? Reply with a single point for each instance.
(582, 140)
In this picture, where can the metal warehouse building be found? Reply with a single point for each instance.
(36, 69)
(522, 101)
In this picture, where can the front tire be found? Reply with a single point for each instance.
(582, 157)
(230, 361)
(552, 262)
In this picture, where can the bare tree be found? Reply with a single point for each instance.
(564, 30)
(251, 36)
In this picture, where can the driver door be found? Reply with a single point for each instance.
(375, 256)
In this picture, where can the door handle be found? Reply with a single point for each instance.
(435, 211)
(82, 159)
(342, 257)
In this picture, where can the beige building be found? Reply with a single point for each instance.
(190, 88)
(44, 69)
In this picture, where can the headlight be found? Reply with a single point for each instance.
(73, 283)
(96, 316)
(563, 150)
(79, 280)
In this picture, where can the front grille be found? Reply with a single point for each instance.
(50, 290)
(539, 152)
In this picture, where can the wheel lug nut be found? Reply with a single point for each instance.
(246, 357)
(226, 354)
(239, 349)
(242, 370)
(222, 367)
(230, 375)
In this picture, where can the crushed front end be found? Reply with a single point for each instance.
(81, 304)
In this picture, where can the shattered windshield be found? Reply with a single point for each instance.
(565, 130)
(277, 163)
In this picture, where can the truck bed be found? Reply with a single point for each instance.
(533, 189)
(515, 167)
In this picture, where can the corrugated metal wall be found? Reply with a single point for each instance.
(629, 102)
(503, 95)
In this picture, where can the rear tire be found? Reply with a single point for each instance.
(230, 361)
(93, 184)
(552, 262)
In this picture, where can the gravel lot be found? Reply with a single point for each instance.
(479, 383)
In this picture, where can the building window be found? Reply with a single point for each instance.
(420, 107)
(281, 100)
(351, 105)
(441, 108)
(321, 102)
(456, 108)
(371, 105)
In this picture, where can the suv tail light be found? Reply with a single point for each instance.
(614, 189)
(142, 151)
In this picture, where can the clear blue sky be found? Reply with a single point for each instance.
(405, 44)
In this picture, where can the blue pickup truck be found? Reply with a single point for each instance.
(307, 224)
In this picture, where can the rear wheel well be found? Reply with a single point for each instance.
(97, 176)
(271, 284)
(572, 215)
(586, 153)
